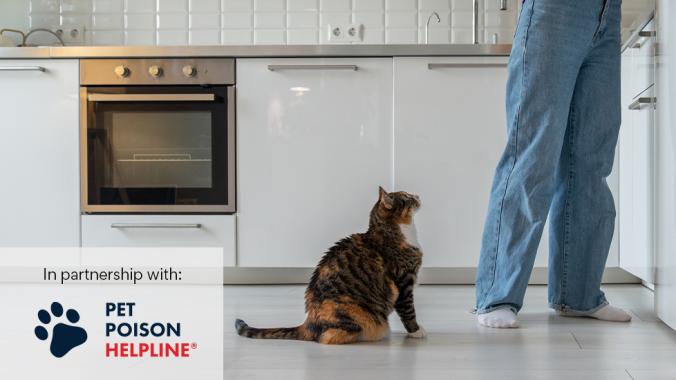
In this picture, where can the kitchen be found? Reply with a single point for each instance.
(264, 128)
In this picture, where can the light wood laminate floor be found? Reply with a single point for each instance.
(545, 347)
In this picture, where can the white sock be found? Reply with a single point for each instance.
(501, 318)
(606, 313)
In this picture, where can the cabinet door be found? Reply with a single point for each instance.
(449, 124)
(637, 212)
(450, 130)
(39, 153)
(314, 142)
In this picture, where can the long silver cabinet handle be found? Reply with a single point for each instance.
(123, 226)
(313, 67)
(432, 66)
(23, 68)
(638, 103)
(150, 97)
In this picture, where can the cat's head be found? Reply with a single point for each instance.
(398, 207)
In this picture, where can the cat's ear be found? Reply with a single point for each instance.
(384, 198)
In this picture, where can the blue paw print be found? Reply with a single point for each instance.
(65, 337)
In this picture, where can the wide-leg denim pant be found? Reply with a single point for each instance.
(563, 115)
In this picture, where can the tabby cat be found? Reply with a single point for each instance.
(361, 280)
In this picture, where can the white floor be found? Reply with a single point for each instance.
(546, 347)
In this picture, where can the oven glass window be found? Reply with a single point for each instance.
(147, 152)
(159, 149)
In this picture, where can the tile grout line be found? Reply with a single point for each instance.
(576, 341)
(630, 376)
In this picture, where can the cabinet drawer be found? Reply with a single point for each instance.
(161, 231)
(643, 60)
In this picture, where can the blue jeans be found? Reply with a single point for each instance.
(563, 114)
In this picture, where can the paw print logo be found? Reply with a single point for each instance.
(64, 337)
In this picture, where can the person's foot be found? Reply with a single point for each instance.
(606, 313)
(499, 319)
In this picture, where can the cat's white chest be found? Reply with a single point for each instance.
(410, 234)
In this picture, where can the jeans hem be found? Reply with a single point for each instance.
(566, 308)
(494, 308)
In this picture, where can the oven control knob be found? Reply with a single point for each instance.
(155, 71)
(122, 71)
(189, 71)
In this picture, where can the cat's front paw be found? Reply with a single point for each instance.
(420, 334)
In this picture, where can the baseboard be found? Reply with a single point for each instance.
(450, 276)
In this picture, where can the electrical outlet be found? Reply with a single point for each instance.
(72, 35)
(345, 32)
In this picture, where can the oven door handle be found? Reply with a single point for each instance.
(97, 97)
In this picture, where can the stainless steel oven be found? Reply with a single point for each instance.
(158, 135)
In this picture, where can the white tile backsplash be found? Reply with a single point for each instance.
(172, 21)
(335, 5)
(139, 6)
(76, 6)
(108, 21)
(269, 20)
(370, 19)
(301, 36)
(139, 21)
(237, 20)
(172, 5)
(302, 20)
(205, 21)
(107, 6)
(237, 5)
(401, 5)
(435, 5)
(139, 37)
(302, 5)
(205, 6)
(270, 36)
(172, 37)
(37, 6)
(368, 5)
(402, 20)
(243, 22)
(205, 37)
(334, 18)
(269, 5)
(401, 36)
(237, 36)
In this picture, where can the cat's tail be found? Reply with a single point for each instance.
(294, 333)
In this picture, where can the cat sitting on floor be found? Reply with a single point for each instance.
(361, 280)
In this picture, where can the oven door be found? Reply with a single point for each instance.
(158, 149)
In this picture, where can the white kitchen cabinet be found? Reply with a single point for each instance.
(39, 153)
(104, 230)
(665, 179)
(450, 130)
(314, 143)
(636, 154)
